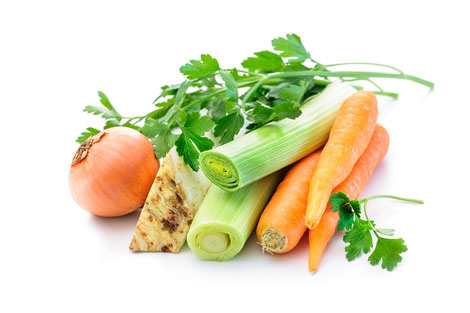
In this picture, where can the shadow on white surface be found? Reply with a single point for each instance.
(115, 232)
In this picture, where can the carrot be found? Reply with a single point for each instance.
(282, 223)
(352, 186)
(349, 137)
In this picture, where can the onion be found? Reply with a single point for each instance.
(112, 172)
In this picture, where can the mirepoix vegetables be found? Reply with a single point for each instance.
(276, 145)
(271, 87)
(289, 105)
(225, 220)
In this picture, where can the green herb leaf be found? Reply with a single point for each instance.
(169, 90)
(261, 113)
(295, 92)
(105, 101)
(385, 231)
(388, 250)
(198, 124)
(191, 141)
(347, 209)
(95, 110)
(228, 126)
(153, 127)
(288, 109)
(85, 135)
(231, 85)
(291, 47)
(359, 239)
(111, 123)
(216, 108)
(197, 69)
(264, 62)
(163, 142)
(177, 102)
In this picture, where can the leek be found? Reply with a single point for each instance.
(276, 145)
(225, 220)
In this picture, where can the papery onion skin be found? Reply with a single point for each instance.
(112, 172)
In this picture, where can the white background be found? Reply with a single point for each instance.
(55, 55)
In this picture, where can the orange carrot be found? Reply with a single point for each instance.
(349, 137)
(282, 223)
(352, 186)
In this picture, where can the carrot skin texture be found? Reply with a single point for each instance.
(349, 137)
(285, 212)
(352, 186)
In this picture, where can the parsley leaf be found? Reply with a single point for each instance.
(161, 137)
(163, 142)
(385, 231)
(216, 108)
(231, 85)
(152, 128)
(108, 112)
(261, 113)
(177, 102)
(287, 109)
(347, 209)
(111, 123)
(105, 101)
(228, 126)
(197, 69)
(291, 47)
(191, 141)
(85, 135)
(388, 250)
(264, 62)
(359, 239)
(295, 92)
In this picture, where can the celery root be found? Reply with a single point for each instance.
(170, 207)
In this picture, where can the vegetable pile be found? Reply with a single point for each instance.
(228, 137)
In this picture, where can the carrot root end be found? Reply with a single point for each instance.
(273, 241)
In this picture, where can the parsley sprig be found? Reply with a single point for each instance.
(359, 231)
(271, 86)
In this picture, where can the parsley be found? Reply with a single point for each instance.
(359, 231)
(271, 86)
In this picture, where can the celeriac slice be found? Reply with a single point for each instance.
(170, 207)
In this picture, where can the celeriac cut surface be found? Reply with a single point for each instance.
(170, 207)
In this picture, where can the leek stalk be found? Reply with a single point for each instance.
(225, 220)
(276, 145)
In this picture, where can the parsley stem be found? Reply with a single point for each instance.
(363, 63)
(391, 197)
(367, 217)
(387, 93)
(252, 73)
(360, 75)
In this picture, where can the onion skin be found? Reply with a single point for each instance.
(112, 172)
